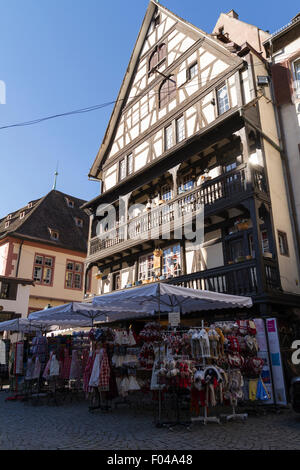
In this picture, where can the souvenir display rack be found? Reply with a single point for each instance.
(181, 370)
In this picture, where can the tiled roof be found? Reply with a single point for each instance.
(50, 212)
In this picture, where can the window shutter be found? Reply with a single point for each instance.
(282, 81)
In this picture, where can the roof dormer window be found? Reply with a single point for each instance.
(7, 224)
(29, 205)
(70, 203)
(78, 222)
(9, 217)
(22, 215)
(54, 234)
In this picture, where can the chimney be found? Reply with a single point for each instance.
(233, 14)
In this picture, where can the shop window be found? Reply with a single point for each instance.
(146, 267)
(172, 261)
(43, 269)
(167, 91)
(222, 100)
(180, 129)
(283, 243)
(74, 271)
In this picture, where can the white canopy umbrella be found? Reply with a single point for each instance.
(156, 298)
(22, 325)
(69, 315)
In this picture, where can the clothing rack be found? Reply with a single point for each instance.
(205, 419)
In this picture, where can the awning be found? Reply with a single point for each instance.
(68, 315)
(22, 325)
(151, 299)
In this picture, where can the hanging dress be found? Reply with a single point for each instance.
(88, 371)
(104, 372)
(159, 352)
(95, 375)
(75, 368)
(54, 367)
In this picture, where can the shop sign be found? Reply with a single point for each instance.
(276, 362)
(263, 354)
(174, 318)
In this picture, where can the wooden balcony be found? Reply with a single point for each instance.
(236, 279)
(169, 215)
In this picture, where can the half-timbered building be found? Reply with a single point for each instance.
(193, 129)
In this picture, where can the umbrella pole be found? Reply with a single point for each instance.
(159, 390)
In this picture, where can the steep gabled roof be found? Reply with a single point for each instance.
(125, 87)
(50, 212)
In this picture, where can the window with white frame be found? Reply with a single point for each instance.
(43, 269)
(192, 71)
(130, 164)
(180, 129)
(74, 272)
(122, 169)
(168, 137)
(166, 192)
(126, 166)
(172, 261)
(283, 243)
(297, 77)
(187, 183)
(222, 99)
(146, 267)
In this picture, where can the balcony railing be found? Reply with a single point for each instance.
(237, 279)
(172, 212)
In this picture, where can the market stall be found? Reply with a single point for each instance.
(158, 345)
(14, 345)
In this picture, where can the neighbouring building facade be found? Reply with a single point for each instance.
(14, 297)
(46, 242)
(193, 129)
(283, 52)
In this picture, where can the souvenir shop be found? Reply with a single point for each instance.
(187, 368)
(208, 365)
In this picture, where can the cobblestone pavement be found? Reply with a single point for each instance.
(71, 426)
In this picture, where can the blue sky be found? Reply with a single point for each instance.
(61, 55)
